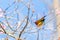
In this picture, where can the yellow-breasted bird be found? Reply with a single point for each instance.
(40, 22)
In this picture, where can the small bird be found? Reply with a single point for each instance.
(40, 22)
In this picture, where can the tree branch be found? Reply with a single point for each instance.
(26, 22)
(5, 31)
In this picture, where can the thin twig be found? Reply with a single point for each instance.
(38, 35)
(9, 6)
(6, 17)
(5, 31)
(2, 28)
(8, 23)
(26, 22)
(20, 25)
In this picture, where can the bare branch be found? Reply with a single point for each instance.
(6, 17)
(5, 31)
(8, 23)
(38, 35)
(26, 22)
(19, 24)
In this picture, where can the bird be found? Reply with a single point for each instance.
(40, 22)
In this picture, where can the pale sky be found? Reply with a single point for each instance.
(41, 9)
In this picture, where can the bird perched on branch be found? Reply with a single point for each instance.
(40, 22)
